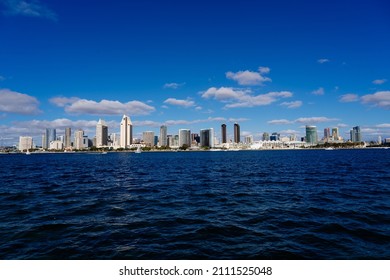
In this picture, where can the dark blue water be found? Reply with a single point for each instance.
(309, 204)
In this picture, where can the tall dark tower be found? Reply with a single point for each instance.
(236, 133)
(223, 127)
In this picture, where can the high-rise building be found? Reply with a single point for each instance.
(207, 137)
(275, 136)
(237, 135)
(163, 136)
(50, 135)
(265, 136)
(25, 143)
(249, 139)
(101, 134)
(126, 132)
(148, 138)
(223, 133)
(195, 138)
(356, 135)
(68, 141)
(184, 137)
(327, 133)
(311, 134)
(79, 140)
(335, 133)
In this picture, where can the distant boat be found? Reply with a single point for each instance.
(329, 149)
(28, 152)
(138, 151)
(104, 153)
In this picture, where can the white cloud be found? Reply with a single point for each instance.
(383, 125)
(224, 93)
(242, 98)
(264, 70)
(313, 120)
(289, 131)
(63, 101)
(379, 81)
(280, 122)
(18, 103)
(350, 97)
(146, 123)
(292, 104)
(379, 99)
(342, 125)
(180, 102)
(322, 60)
(187, 122)
(249, 78)
(108, 107)
(174, 85)
(31, 8)
(198, 108)
(237, 120)
(319, 91)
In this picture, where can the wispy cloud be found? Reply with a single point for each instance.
(319, 91)
(292, 104)
(306, 120)
(239, 98)
(173, 85)
(379, 81)
(249, 78)
(323, 60)
(79, 106)
(378, 99)
(32, 8)
(180, 102)
(350, 97)
(18, 103)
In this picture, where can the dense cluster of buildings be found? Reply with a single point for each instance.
(206, 138)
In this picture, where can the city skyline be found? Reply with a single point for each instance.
(271, 67)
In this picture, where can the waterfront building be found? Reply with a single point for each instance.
(356, 135)
(379, 140)
(67, 140)
(126, 131)
(223, 133)
(195, 138)
(237, 133)
(184, 137)
(248, 139)
(56, 145)
(148, 138)
(50, 135)
(80, 140)
(101, 134)
(163, 136)
(155, 140)
(25, 143)
(311, 134)
(275, 137)
(175, 142)
(327, 135)
(335, 133)
(265, 136)
(207, 137)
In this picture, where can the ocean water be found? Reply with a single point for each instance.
(300, 204)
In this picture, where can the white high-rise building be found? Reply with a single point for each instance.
(101, 134)
(79, 140)
(184, 137)
(126, 132)
(25, 143)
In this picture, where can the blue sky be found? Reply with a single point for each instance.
(271, 66)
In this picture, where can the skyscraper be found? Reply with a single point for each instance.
(184, 137)
(265, 136)
(311, 134)
(223, 133)
(163, 136)
(101, 134)
(236, 133)
(148, 138)
(68, 141)
(79, 140)
(326, 133)
(207, 137)
(356, 135)
(126, 132)
(335, 133)
(50, 135)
